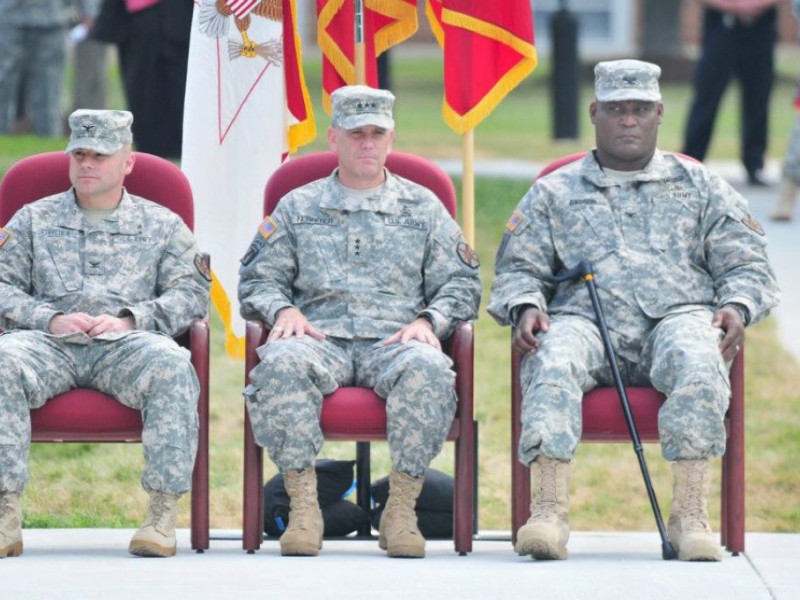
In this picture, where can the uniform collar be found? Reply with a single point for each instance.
(592, 171)
(383, 201)
(123, 220)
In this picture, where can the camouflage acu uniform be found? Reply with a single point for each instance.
(668, 248)
(33, 50)
(359, 270)
(141, 261)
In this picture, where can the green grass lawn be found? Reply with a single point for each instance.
(81, 485)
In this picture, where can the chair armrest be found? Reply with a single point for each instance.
(256, 333)
(460, 347)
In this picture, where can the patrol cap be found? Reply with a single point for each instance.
(626, 80)
(358, 105)
(101, 131)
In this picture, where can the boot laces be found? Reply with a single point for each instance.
(694, 507)
(401, 503)
(546, 501)
(7, 510)
(301, 503)
(160, 513)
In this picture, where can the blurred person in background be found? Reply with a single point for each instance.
(738, 41)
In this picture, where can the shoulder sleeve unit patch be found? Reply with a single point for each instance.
(751, 222)
(5, 235)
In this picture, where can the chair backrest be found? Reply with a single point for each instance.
(569, 158)
(310, 167)
(45, 174)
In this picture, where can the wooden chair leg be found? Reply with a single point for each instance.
(252, 501)
(364, 484)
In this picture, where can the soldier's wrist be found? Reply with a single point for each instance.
(743, 311)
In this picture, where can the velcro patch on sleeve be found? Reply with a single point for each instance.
(201, 263)
(751, 223)
(467, 255)
(267, 227)
(516, 219)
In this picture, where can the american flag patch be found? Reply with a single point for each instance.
(515, 220)
(267, 227)
(5, 234)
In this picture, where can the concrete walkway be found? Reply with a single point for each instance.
(91, 564)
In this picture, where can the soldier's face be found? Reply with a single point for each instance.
(626, 132)
(97, 178)
(362, 153)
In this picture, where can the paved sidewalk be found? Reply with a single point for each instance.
(89, 564)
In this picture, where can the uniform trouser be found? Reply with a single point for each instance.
(791, 161)
(680, 357)
(284, 400)
(746, 52)
(146, 371)
(37, 57)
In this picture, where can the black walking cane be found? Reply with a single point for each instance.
(584, 270)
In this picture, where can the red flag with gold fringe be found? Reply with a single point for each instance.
(488, 50)
(386, 23)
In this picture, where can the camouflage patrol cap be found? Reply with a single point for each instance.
(101, 131)
(357, 105)
(626, 80)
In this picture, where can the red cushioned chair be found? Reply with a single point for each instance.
(358, 414)
(603, 421)
(86, 415)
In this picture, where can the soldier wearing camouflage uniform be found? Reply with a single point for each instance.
(94, 282)
(33, 52)
(680, 268)
(790, 180)
(358, 275)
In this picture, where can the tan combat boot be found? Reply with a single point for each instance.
(784, 210)
(399, 534)
(545, 534)
(303, 535)
(157, 535)
(688, 527)
(10, 525)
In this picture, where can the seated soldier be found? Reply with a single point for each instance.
(94, 282)
(358, 275)
(681, 269)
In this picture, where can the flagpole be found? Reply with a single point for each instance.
(468, 185)
(360, 48)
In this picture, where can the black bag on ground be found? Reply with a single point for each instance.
(434, 506)
(334, 479)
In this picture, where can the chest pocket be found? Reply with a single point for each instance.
(321, 249)
(63, 269)
(398, 253)
(588, 233)
(131, 265)
(673, 223)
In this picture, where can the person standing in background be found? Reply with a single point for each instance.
(90, 84)
(33, 53)
(738, 40)
(790, 180)
(152, 39)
